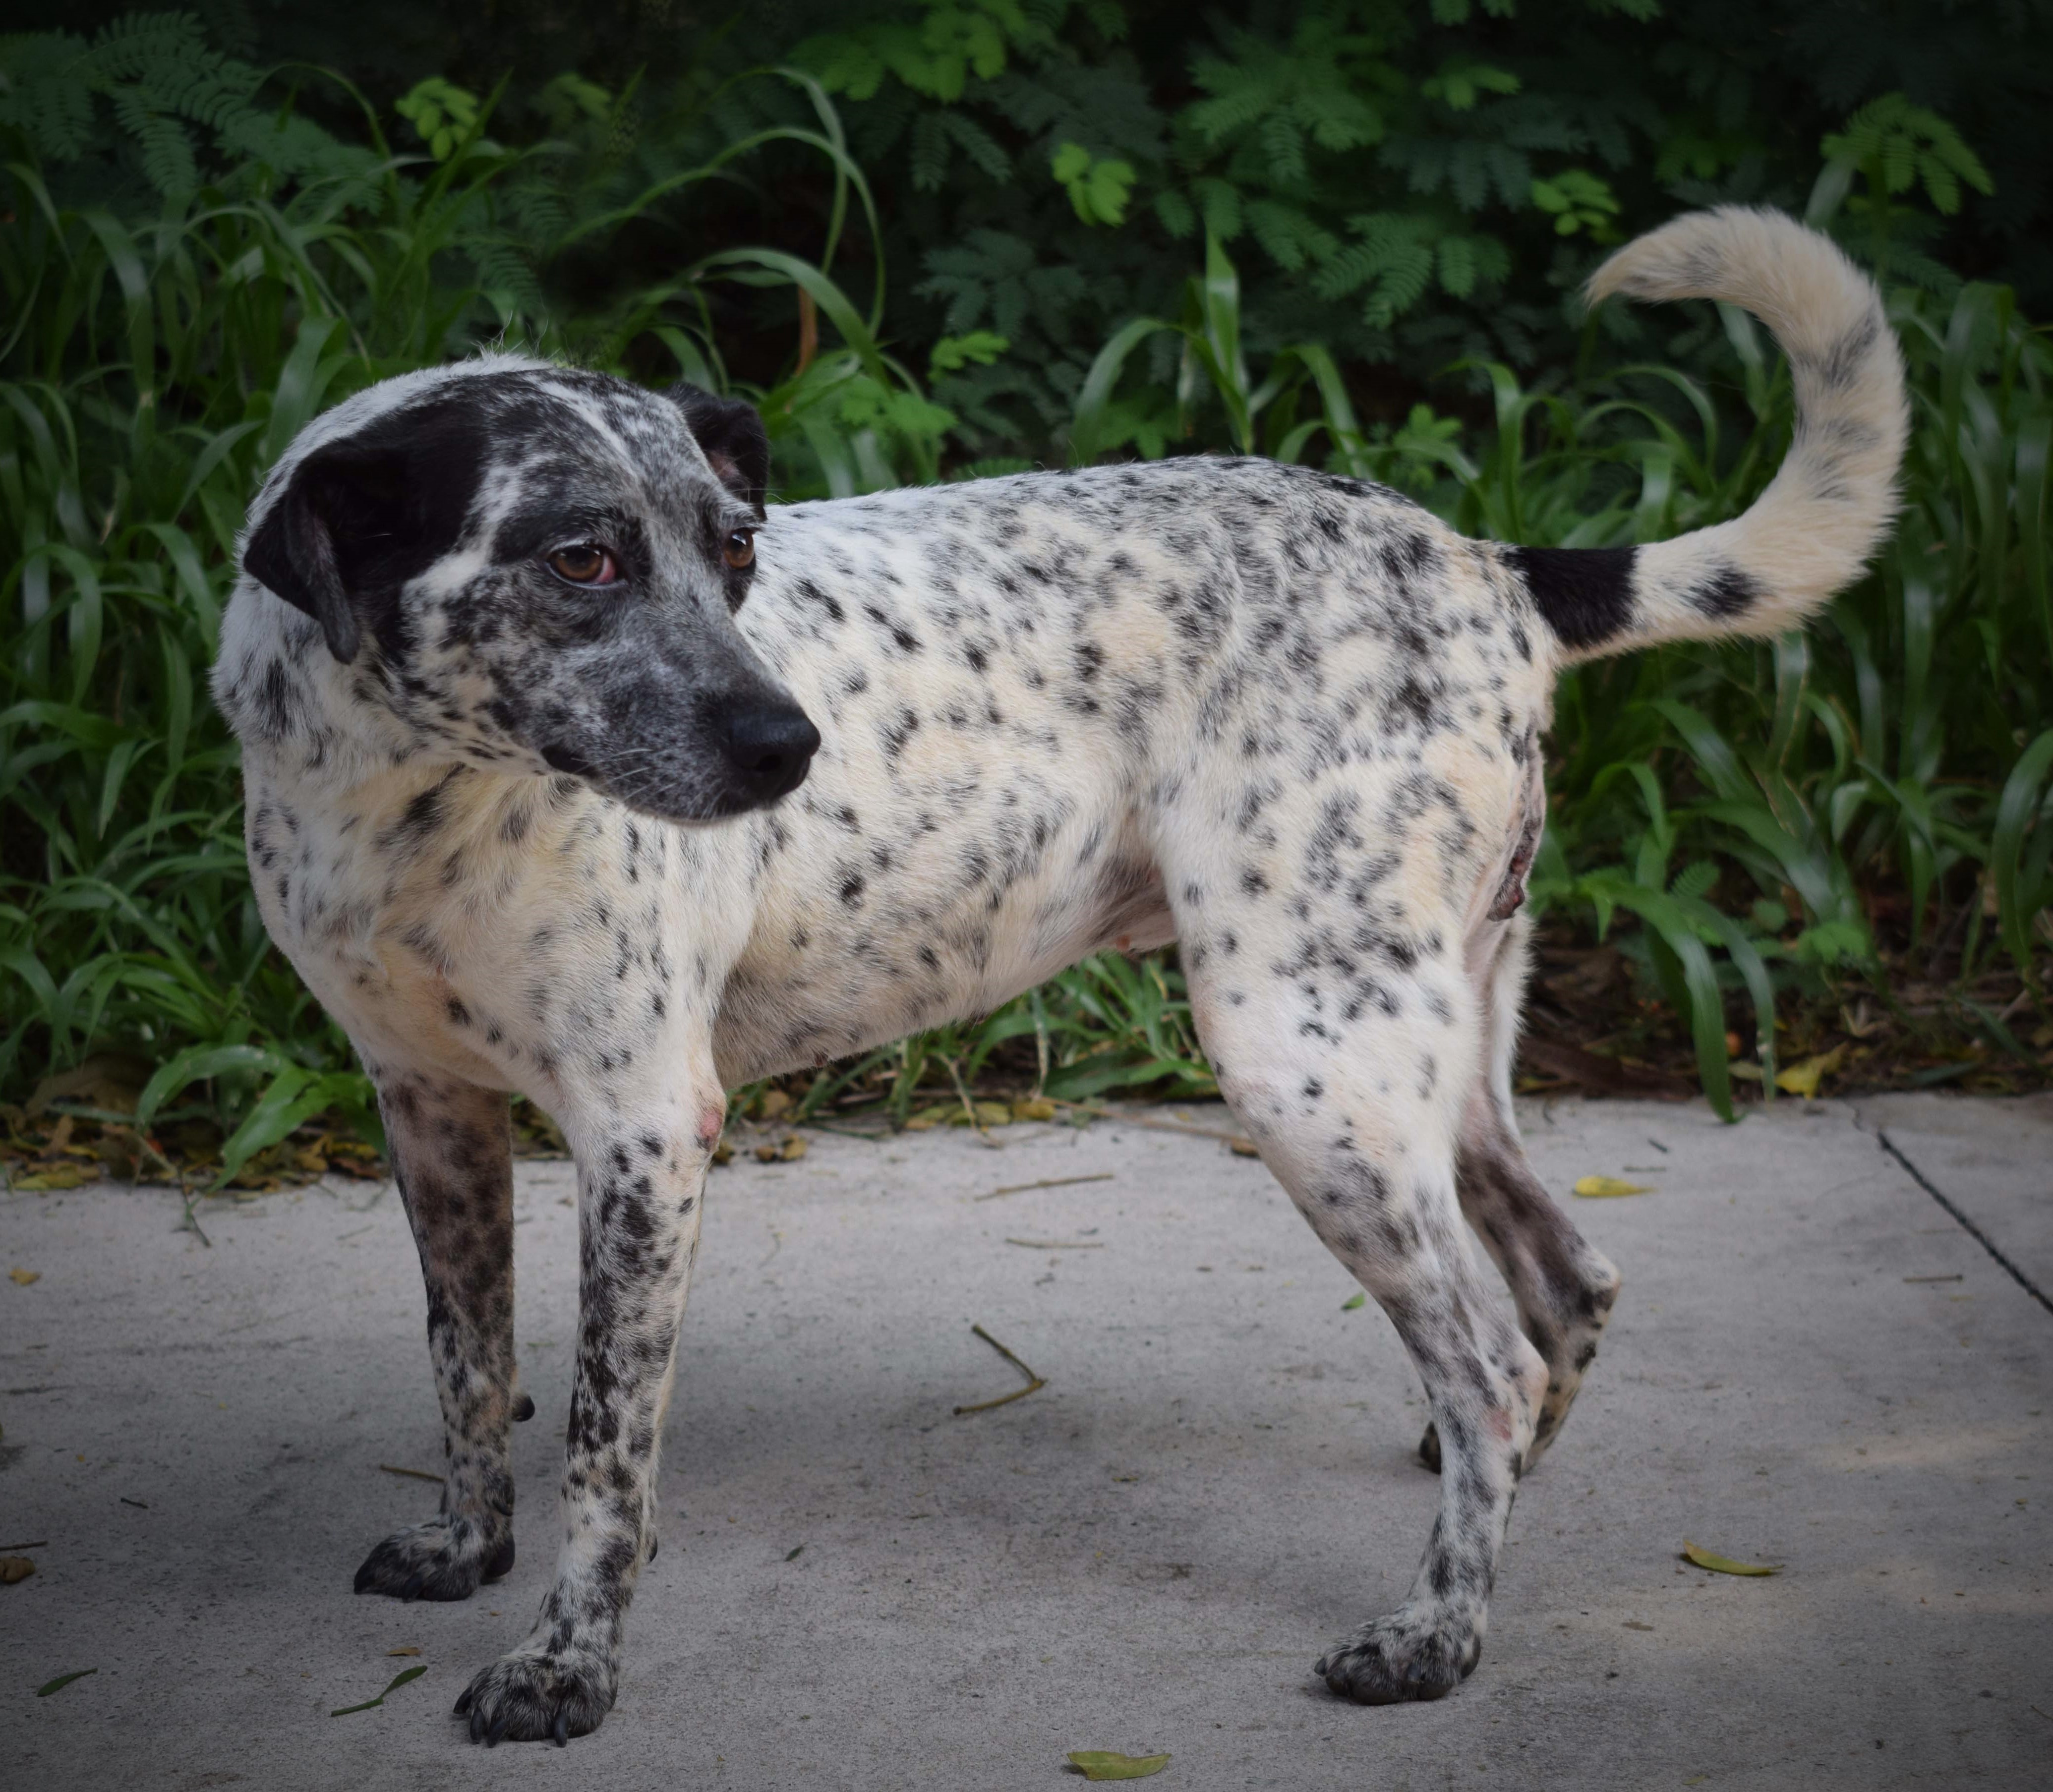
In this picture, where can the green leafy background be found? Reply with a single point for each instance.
(938, 240)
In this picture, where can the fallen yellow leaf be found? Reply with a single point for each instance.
(57, 1176)
(23, 1277)
(411, 1648)
(14, 1568)
(1723, 1564)
(1599, 1188)
(1100, 1763)
(1803, 1078)
(1039, 1107)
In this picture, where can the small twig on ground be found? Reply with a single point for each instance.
(969, 1106)
(1035, 1383)
(411, 1474)
(846, 1131)
(192, 1219)
(1045, 1182)
(251, 1325)
(1058, 1245)
(40, 1542)
(1093, 1109)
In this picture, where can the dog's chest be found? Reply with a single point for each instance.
(515, 933)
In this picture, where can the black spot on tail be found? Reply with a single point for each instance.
(1584, 593)
(1847, 359)
(1727, 592)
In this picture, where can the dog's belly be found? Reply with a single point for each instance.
(842, 958)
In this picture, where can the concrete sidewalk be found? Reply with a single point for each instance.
(1814, 1363)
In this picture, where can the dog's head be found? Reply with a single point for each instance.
(534, 568)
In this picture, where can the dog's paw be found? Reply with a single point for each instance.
(445, 1558)
(1410, 1654)
(532, 1696)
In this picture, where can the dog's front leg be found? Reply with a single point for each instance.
(642, 1167)
(452, 1155)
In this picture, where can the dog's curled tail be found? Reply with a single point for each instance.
(1810, 532)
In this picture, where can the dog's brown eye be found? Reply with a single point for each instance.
(584, 563)
(739, 549)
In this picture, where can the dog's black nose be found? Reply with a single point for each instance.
(770, 746)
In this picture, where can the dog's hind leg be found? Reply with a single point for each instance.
(452, 1154)
(1347, 1065)
(1563, 1288)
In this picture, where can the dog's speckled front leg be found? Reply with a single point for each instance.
(641, 1175)
(452, 1157)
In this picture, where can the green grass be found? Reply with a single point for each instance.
(1759, 826)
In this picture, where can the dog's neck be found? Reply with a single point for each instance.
(322, 757)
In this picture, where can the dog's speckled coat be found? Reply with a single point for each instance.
(518, 833)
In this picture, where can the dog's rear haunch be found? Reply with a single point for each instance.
(572, 770)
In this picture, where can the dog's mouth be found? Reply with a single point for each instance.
(743, 760)
(563, 759)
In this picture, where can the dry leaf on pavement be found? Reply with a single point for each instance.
(1605, 1188)
(1100, 1763)
(1723, 1564)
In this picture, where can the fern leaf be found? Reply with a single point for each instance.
(1218, 204)
(1456, 266)
(148, 45)
(928, 152)
(1237, 100)
(1284, 144)
(1178, 217)
(164, 144)
(1290, 237)
(45, 93)
(982, 149)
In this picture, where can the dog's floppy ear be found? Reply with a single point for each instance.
(338, 500)
(732, 438)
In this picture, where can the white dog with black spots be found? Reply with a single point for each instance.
(572, 771)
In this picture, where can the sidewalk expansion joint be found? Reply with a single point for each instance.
(1973, 1231)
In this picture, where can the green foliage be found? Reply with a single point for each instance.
(1897, 145)
(1391, 203)
(445, 115)
(1407, 185)
(1098, 186)
(170, 91)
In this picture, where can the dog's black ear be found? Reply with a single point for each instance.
(338, 500)
(732, 438)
